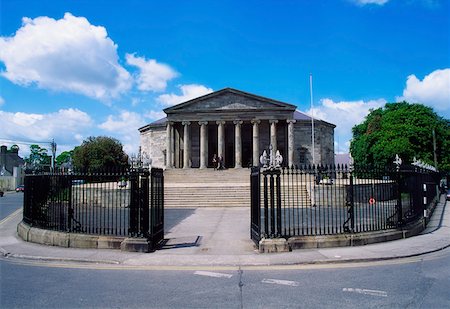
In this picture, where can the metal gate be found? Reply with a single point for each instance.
(147, 206)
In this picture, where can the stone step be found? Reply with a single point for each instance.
(210, 188)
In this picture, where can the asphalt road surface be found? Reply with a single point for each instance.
(9, 203)
(421, 282)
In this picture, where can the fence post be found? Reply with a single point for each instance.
(144, 203)
(278, 192)
(399, 207)
(352, 205)
(266, 207)
(272, 205)
(133, 229)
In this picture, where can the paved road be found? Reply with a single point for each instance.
(409, 283)
(9, 203)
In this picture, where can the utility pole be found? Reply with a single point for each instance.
(53, 144)
(312, 119)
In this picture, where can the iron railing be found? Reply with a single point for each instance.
(330, 200)
(125, 203)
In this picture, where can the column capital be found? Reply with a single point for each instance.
(202, 123)
(186, 123)
(220, 122)
(255, 121)
(169, 123)
(238, 122)
(291, 121)
(273, 121)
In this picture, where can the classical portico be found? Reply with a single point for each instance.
(235, 125)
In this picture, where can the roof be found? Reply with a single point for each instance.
(299, 116)
(275, 103)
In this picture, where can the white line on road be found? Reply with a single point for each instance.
(366, 292)
(212, 274)
(281, 282)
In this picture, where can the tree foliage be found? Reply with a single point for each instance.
(64, 157)
(99, 152)
(38, 158)
(404, 129)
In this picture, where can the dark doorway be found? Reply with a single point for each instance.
(229, 145)
(247, 144)
(212, 144)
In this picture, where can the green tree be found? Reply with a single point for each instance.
(99, 152)
(404, 129)
(38, 158)
(64, 157)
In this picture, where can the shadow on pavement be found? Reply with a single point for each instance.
(174, 216)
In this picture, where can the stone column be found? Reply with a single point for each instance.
(221, 139)
(273, 135)
(203, 144)
(169, 142)
(256, 154)
(238, 143)
(291, 141)
(187, 145)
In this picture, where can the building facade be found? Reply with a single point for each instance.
(237, 126)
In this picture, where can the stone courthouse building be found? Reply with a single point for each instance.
(238, 126)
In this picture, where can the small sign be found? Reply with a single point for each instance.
(372, 201)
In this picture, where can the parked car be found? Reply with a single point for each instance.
(448, 195)
(20, 188)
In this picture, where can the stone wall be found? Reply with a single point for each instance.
(153, 142)
(323, 139)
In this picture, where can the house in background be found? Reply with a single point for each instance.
(11, 168)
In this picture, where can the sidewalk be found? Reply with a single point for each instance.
(211, 237)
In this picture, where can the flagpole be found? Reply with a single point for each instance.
(312, 119)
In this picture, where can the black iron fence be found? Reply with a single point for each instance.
(127, 203)
(330, 200)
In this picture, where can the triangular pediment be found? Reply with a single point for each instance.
(229, 99)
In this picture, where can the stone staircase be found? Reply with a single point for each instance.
(207, 188)
(193, 188)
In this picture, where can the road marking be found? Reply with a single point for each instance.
(11, 216)
(212, 274)
(280, 282)
(366, 292)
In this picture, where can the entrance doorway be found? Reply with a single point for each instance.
(212, 145)
(247, 145)
(229, 146)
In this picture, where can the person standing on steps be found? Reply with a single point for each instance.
(215, 162)
(220, 163)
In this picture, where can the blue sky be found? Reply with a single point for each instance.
(74, 69)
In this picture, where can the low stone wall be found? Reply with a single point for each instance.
(342, 240)
(337, 194)
(103, 195)
(75, 240)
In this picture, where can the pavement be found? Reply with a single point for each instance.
(220, 237)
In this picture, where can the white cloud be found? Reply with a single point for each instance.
(65, 126)
(125, 127)
(155, 115)
(68, 54)
(365, 2)
(433, 90)
(188, 92)
(345, 115)
(153, 76)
